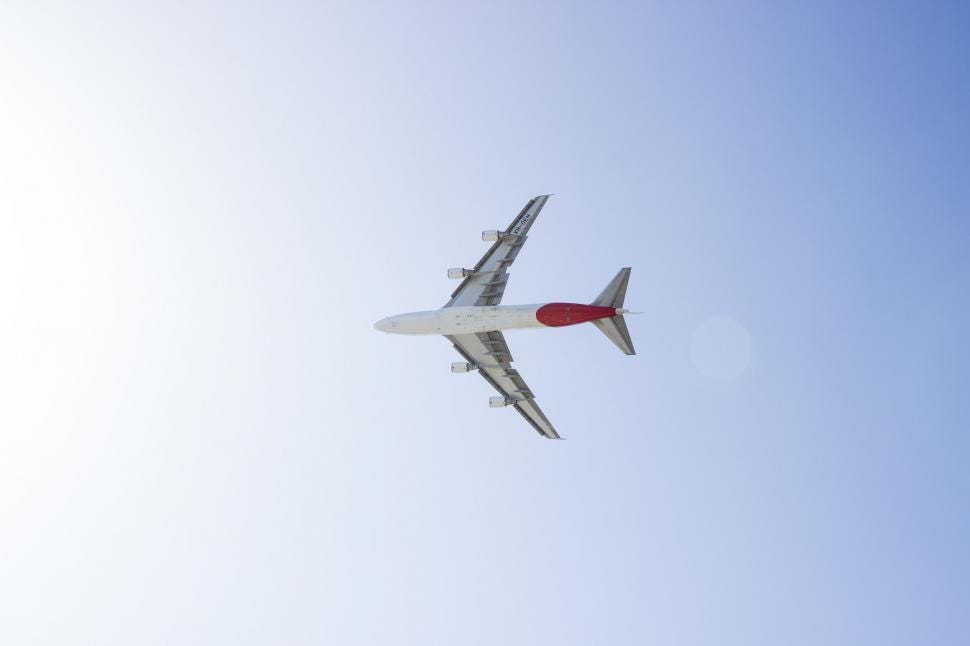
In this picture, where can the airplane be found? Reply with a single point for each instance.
(473, 320)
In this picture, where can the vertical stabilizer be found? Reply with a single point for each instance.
(615, 327)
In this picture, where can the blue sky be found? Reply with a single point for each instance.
(205, 208)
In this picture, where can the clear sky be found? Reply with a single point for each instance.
(205, 206)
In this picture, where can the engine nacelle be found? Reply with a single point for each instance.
(461, 366)
(491, 235)
(500, 402)
(459, 272)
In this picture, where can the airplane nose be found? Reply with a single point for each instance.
(385, 325)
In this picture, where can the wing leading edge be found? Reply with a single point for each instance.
(490, 353)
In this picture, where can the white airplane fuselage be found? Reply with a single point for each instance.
(475, 319)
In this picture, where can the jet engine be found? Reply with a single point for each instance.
(461, 366)
(500, 402)
(491, 235)
(459, 272)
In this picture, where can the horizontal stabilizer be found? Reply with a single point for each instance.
(615, 330)
(615, 292)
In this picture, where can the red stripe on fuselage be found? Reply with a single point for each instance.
(560, 314)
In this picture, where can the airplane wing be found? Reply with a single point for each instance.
(487, 283)
(490, 352)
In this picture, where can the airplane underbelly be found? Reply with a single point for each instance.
(472, 320)
(476, 319)
(466, 321)
(508, 318)
(489, 321)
